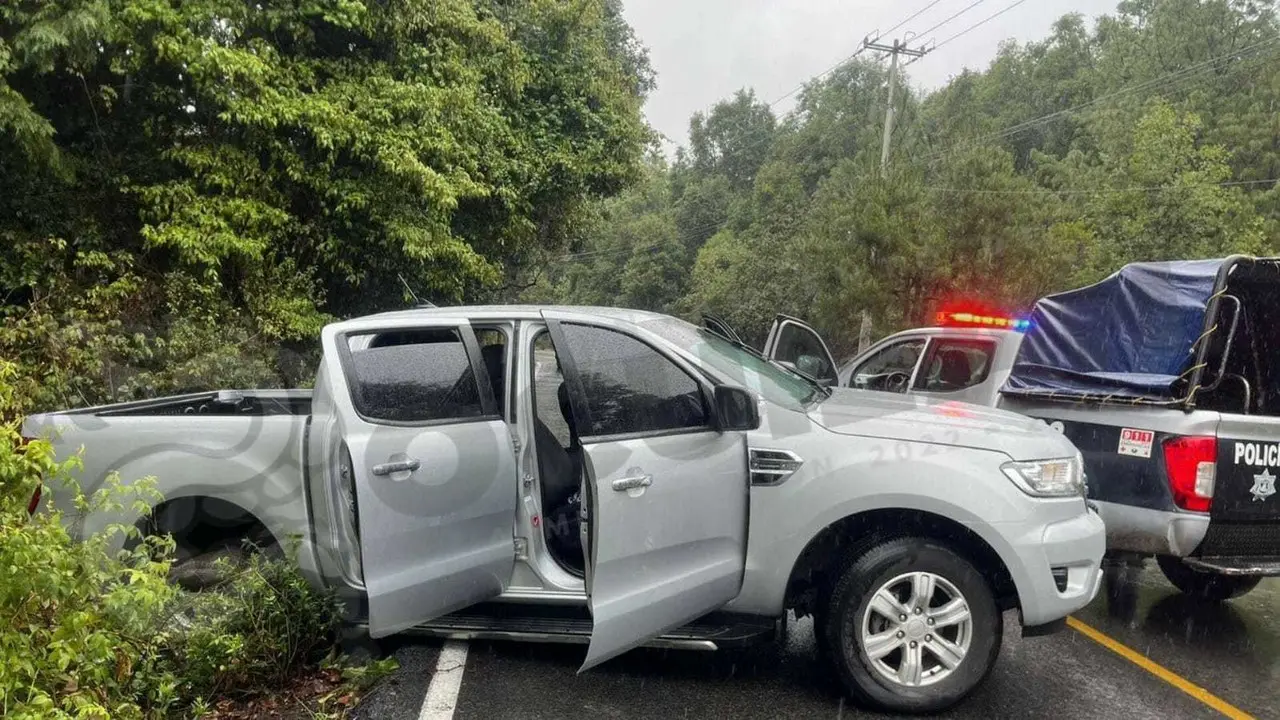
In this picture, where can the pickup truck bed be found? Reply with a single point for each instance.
(250, 443)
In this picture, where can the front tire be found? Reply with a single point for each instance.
(1207, 586)
(911, 627)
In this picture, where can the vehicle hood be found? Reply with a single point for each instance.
(911, 418)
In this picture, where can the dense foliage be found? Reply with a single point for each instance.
(94, 632)
(190, 189)
(1154, 134)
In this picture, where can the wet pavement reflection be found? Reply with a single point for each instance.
(1230, 649)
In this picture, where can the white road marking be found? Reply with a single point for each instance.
(442, 693)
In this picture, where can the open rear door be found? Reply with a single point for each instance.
(793, 342)
(426, 462)
(667, 493)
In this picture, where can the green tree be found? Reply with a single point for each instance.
(1159, 194)
(266, 167)
(732, 140)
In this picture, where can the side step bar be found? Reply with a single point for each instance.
(499, 621)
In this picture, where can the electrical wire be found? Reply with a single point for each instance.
(953, 17)
(978, 24)
(571, 257)
(917, 14)
(1102, 191)
(958, 191)
(1167, 78)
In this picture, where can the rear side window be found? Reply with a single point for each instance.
(956, 364)
(413, 376)
(630, 387)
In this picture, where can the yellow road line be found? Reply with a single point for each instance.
(1160, 671)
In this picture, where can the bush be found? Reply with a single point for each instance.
(84, 633)
(263, 625)
(95, 633)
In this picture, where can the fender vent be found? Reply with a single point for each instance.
(773, 467)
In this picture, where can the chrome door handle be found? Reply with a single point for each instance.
(631, 483)
(395, 467)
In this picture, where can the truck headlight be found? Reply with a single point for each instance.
(1062, 477)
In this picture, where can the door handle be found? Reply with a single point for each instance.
(631, 483)
(395, 467)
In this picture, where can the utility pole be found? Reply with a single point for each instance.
(894, 50)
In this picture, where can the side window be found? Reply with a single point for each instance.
(547, 380)
(493, 356)
(412, 376)
(956, 364)
(890, 368)
(630, 387)
(804, 350)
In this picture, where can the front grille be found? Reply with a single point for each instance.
(1241, 539)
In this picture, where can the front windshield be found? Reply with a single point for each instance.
(751, 371)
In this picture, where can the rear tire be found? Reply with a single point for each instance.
(950, 613)
(1207, 586)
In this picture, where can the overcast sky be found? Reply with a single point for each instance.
(705, 50)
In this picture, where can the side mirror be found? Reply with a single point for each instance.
(735, 409)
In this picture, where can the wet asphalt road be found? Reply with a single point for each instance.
(1231, 650)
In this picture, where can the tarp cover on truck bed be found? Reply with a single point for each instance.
(1129, 336)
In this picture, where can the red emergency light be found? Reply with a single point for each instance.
(968, 319)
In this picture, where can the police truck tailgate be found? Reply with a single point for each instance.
(1244, 527)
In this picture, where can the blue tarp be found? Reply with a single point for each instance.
(1127, 336)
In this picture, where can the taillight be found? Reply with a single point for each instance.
(35, 496)
(1190, 463)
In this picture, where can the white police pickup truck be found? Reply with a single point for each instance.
(1166, 376)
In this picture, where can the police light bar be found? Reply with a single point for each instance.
(953, 319)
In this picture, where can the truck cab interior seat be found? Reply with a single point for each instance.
(955, 371)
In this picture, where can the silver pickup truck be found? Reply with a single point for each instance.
(621, 478)
(1164, 375)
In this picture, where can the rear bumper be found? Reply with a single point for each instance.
(1216, 545)
(1074, 546)
(1152, 532)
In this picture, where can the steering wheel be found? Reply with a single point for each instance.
(897, 381)
(688, 409)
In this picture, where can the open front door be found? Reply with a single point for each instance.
(795, 343)
(426, 463)
(666, 492)
(720, 327)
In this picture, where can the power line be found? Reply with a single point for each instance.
(917, 14)
(819, 76)
(1102, 191)
(953, 17)
(773, 103)
(979, 24)
(1171, 77)
(572, 257)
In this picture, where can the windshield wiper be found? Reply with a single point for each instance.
(818, 387)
